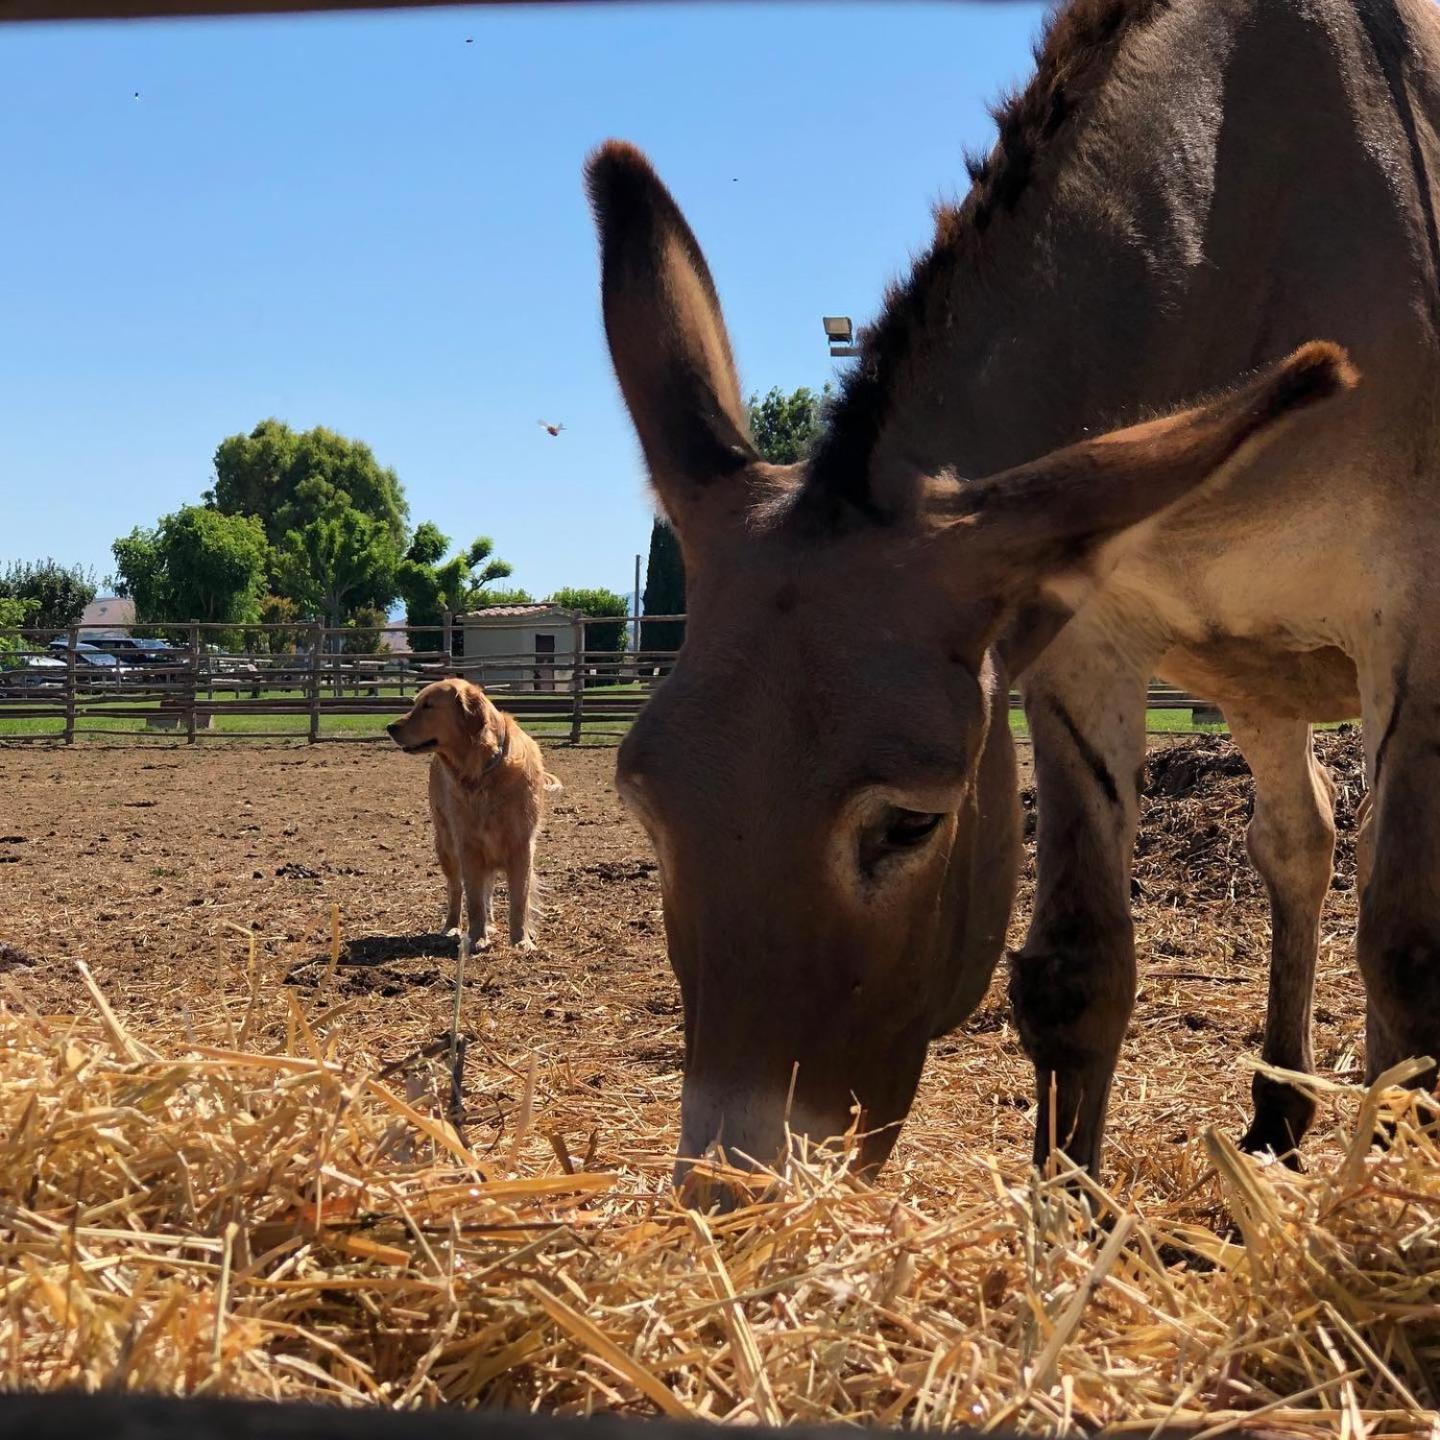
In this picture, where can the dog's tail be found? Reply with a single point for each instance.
(551, 783)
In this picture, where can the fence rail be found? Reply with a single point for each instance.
(211, 682)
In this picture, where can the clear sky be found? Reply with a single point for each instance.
(376, 223)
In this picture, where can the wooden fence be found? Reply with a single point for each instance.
(66, 1414)
(301, 684)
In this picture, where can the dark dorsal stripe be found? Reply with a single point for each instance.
(1072, 61)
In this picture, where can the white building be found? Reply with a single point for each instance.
(519, 647)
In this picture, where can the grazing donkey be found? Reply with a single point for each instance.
(1182, 193)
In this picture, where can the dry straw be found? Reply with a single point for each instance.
(257, 1206)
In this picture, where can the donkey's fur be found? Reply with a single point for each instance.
(1185, 191)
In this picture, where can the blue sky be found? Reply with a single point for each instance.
(368, 223)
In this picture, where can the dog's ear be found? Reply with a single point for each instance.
(473, 709)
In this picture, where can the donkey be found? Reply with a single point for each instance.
(1183, 193)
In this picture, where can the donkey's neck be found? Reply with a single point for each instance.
(1188, 220)
(1077, 304)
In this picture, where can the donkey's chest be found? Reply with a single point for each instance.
(1262, 675)
(1264, 616)
(1274, 581)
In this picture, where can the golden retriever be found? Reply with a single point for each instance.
(487, 799)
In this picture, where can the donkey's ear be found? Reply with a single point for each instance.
(667, 336)
(1058, 524)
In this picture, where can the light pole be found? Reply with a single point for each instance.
(841, 335)
(635, 608)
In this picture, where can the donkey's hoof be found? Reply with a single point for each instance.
(1282, 1116)
(1271, 1136)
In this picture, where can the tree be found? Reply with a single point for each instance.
(428, 545)
(786, 427)
(503, 596)
(289, 480)
(338, 562)
(13, 614)
(430, 588)
(140, 572)
(602, 604)
(364, 630)
(214, 565)
(196, 564)
(59, 593)
(276, 610)
(664, 590)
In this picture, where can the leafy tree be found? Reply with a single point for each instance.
(13, 614)
(664, 590)
(601, 604)
(140, 572)
(59, 593)
(363, 630)
(290, 479)
(196, 564)
(786, 427)
(428, 545)
(276, 610)
(429, 588)
(502, 596)
(338, 562)
(214, 564)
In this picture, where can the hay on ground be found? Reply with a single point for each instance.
(229, 1164)
(260, 1208)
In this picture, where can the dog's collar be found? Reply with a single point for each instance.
(498, 758)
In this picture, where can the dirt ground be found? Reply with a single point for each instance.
(157, 866)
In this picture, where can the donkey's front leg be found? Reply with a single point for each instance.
(1073, 984)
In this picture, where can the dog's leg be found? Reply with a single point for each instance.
(450, 867)
(520, 872)
(479, 887)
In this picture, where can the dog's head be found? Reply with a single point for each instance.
(454, 719)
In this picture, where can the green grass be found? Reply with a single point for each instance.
(597, 730)
(1157, 722)
(291, 726)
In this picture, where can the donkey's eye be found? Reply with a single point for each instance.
(908, 828)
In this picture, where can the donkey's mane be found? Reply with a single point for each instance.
(1073, 58)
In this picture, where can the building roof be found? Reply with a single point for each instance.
(514, 612)
(106, 611)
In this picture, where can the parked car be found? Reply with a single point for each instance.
(23, 674)
(135, 651)
(97, 666)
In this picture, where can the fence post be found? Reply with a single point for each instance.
(73, 639)
(317, 642)
(447, 641)
(194, 683)
(577, 678)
